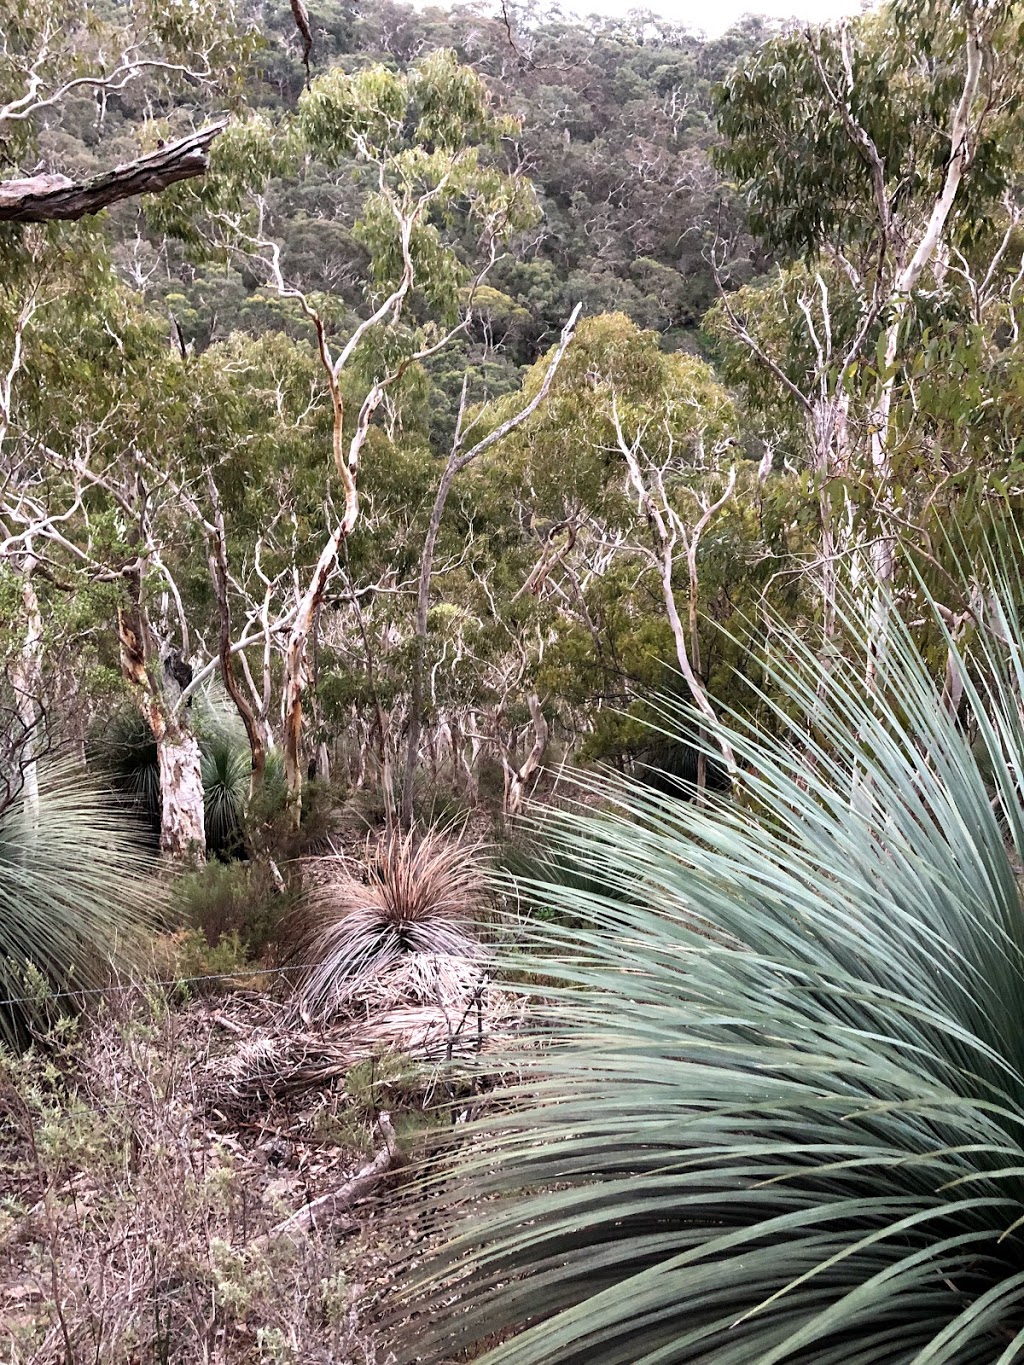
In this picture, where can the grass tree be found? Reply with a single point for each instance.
(78, 896)
(778, 1113)
(414, 895)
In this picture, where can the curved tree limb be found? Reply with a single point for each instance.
(458, 459)
(48, 198)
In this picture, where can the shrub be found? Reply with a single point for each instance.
(783, 1116)
(238, 900)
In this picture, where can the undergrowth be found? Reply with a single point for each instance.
(132, 1229)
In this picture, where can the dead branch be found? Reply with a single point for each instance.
(328, 1206)
(48, 198)
(301, 16)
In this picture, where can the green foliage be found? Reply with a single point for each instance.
(226, 767)
(122, 748)
(611, 366)
(158, 55)
(782, 1115)
(235, 907)
(78, 895)
(424, 129)
(786, 114)
(635, 105)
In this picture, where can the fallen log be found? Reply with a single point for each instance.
(326, 1209)
(48, 198)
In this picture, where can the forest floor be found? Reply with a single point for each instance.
(149, 1157)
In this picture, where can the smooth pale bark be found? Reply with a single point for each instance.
(517, 780)
(882, 551)
(666, 529)
(830, 445)
(823, 404)
(296, 668)
(149, 671)
(219, 577)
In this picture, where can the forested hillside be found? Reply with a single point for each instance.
(584, 179)
(510, 567)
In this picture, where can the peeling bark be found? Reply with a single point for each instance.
(48, 198)
(182, 828)
(182, 806)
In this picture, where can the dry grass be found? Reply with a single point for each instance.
(147, 1156)
(273, 1060)
(411, 897)
(132, 1222)
(145, 1161)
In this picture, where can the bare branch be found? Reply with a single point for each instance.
(47, 198)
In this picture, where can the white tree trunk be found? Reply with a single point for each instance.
(517, 780)
(182, 827)
(882, 551)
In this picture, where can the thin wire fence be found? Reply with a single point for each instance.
(146, 983)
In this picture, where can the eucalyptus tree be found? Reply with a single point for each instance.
(463, 454)
(101, 420)
(77, 464)
(878, 159)
(58, 55)
(433, 208)
(637, 511)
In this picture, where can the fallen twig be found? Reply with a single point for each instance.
(328, 1206)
